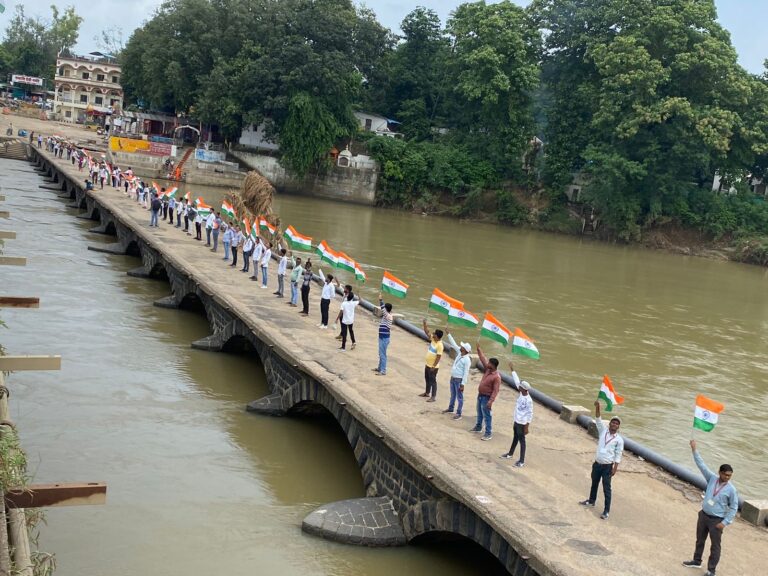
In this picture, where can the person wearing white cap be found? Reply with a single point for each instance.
(523, 418)
(459, 374)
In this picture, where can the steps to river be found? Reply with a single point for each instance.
(440, 477)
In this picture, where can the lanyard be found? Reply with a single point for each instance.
(718, 488)
(609, 440)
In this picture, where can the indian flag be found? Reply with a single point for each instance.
(202, 208)
(443, 303)
(495, 330)
(298, 241)
(227, 209)
(344, 262)
(706, 413)
(188, 197)
(246, 225)
(160, 192)
(254, 230)
(391, 284)
(327, 254)
(521, 344)
(462, 317)
(608, 394)
(171, 193)
(265, 226)
(360, 275)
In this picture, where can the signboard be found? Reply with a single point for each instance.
(209, 155)
(20, 79)
(160, 149)
(128, 145)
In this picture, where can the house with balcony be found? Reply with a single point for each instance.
(87, 88)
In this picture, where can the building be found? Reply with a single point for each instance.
(87, 88)
(380, 125)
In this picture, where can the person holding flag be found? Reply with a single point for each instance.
(487, 392)
(432, 359)
(385, 332)
(721, 501)
(610, 446)
(459, 374)
(522, 422)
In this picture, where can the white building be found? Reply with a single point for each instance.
(86, 86)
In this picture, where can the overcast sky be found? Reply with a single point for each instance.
(744, 18)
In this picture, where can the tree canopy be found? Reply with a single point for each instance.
(644, 100)
(31, 44)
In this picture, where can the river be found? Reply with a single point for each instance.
(197, 486)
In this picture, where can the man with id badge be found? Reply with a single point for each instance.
(610, 445)
(721, 502)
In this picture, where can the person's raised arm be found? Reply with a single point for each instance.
(426, 329)
(481, 356)
(701, 465)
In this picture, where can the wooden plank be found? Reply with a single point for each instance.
(13, 261)
(49, 495)
(7, 235)
(18, 363)
(19, 302)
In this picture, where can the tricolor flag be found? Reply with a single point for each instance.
(360, 274)
(391, 284)
(246, 225)
(706, 413)
(254, 230)
(265, 226)
(495, 330)
(523, 345)
(327, 254)
(608, 394)
(462, 317)
(227, 209)
(298, 241)
(202, 208)
(171, 193)
(344, 262)
(443, 303)
(160, 192)
(188, 197)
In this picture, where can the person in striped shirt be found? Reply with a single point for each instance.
(385, 330)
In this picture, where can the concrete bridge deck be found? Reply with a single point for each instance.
(534, 509)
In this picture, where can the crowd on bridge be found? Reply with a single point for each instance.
(720, 500)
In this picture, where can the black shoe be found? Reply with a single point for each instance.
(692, 564)
(587, 503)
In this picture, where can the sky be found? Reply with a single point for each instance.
(743, 18)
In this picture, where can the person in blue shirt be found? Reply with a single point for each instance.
(721, 502)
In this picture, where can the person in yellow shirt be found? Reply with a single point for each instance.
(432, 359)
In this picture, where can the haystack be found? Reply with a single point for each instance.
(254, 199)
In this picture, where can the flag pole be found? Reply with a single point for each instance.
(693, 428)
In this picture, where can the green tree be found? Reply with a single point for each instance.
(648, 101)
(31, 44)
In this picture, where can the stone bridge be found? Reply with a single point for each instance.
(423, 477)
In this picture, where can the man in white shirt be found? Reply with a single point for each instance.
(281, 268)
(327, 294)
(209, 227)
(247, 251)
(237, 239)
(610, 445)
(258, 250)
(347, 317)
(265, 258)
(523, 418)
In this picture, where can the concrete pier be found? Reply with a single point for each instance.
(439, 477)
